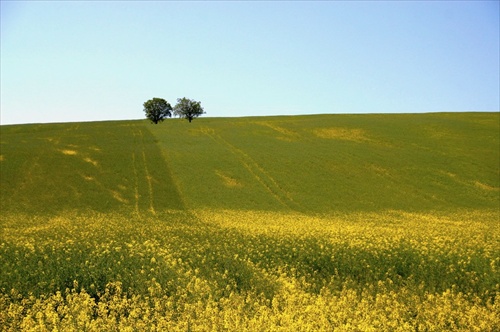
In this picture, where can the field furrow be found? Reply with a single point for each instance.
(258, 173)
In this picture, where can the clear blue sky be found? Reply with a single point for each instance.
(89, 60)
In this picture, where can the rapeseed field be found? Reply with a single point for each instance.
(317, 223)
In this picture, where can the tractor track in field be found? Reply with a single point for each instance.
(257, 171)
(136, 184)
(144, 165)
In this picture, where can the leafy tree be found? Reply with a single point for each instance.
(188, 108)
(157, 109)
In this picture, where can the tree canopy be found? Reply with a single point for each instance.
(157, 109)
(188, 108)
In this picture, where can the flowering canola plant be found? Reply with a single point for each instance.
(217, 270)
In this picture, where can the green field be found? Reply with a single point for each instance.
(302, 223)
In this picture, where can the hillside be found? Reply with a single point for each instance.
(311, 164)
(328, 163)
(303, 223)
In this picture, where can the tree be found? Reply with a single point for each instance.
(157, 109)
(188, 108)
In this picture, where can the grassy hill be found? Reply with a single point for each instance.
(329, 163)
(301, 223)
(102, 166)
(311, 164)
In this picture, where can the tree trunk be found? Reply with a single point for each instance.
(190, 118)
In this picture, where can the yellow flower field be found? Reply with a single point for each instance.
(251, 271)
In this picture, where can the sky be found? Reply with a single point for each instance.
(67, 61)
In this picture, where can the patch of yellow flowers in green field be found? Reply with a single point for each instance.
(211, 270)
